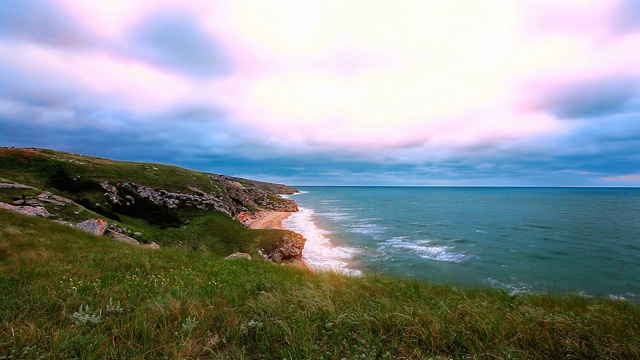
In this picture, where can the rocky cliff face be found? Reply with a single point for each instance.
(68, 187)
(268, 187)
(234, 197)
(288, 249)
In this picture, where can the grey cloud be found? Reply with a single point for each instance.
(627, 17)
(202, 137)
(40, 21)
(593, 97)
(36, 87)
(174, 40)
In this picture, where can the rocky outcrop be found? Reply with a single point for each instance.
(54, 199)
(122, 238)
(245, 218)
(93, 226)
(288, 249)
(265, 186)
(14, 186)
(26, 202)
(238, 256)
(256, 194)
(233, 199)
(34, 210)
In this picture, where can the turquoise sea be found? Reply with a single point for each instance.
(584, 241)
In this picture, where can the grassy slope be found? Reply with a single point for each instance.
(34, 166)
(205, 230)
(177, 303)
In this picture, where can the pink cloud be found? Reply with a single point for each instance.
(630, 178)
(341, 73)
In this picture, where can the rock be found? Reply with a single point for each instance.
(124, 231)
(57, 200)
(27, 210)
(26, 202)
(233, 196)
(152, 245)
(288, 249)
(93, 226)
(14, 186)
(122, 238)
(244, 217)
(239, 256)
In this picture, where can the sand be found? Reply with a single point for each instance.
(269, 220)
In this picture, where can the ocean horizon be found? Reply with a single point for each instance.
(561, 240)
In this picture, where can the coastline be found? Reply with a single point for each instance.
(271, 219)
(268, 219)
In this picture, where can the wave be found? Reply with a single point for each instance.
(336, 216)
(319, 253)
(514, 288)
(367, 229)
(425, 249)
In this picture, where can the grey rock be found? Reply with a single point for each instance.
(122, 238)
(26, 202)
(93, 226)
(14, 186)
(233, 198)
(53, 199)
(27, 210)
(239, 256)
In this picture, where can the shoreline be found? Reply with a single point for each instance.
(269, 219)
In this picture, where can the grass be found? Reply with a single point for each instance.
(67, 294)
(35, 166)
(77, 177)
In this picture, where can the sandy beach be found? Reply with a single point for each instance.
(269, 220)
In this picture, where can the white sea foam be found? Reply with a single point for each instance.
(514, 288)
(336, 215)
(319, 253)
(423, 249)
(367, 229)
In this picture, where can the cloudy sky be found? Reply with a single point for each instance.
(332, 92)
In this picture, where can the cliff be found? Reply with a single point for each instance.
(156, 203)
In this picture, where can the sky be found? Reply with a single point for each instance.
(332, 92)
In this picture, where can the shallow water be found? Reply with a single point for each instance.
(557, 240)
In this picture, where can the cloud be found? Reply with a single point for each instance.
(590, 98)
(627, 17)
(629, 178)
(331, 91)
(173, 39)
(43, 22)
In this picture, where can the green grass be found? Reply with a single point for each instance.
(34, 167)
(65, 294)
(199, 230)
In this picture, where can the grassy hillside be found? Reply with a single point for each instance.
(67, 294)
(35, 166)
(78, 177)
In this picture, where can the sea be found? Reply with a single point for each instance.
(580, 241)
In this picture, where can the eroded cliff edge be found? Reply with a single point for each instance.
(152, 202)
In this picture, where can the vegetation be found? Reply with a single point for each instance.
(66, 294)
(78, 177)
